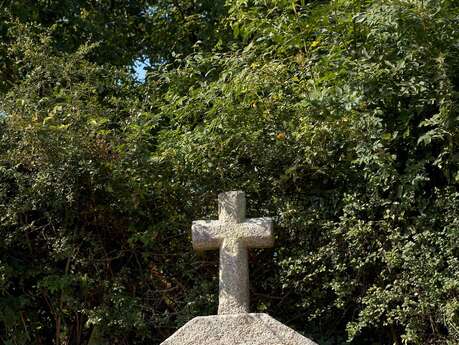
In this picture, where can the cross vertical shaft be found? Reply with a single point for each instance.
(233, 234)
(233, 278)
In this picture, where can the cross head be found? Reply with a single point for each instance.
(233, 234)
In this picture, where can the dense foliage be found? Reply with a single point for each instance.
(339, 118)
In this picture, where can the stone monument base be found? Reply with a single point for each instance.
(236, 329)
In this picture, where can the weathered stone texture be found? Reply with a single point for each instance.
(236, 329)
(233, 234)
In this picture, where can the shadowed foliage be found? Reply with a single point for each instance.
(339, 118)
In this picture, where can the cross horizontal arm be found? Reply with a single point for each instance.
(206, 234)
(257, 232)
(254, 233)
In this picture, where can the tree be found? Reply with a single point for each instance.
(337, 117)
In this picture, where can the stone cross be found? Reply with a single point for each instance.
(233, 234)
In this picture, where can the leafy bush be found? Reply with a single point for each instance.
(337, 118)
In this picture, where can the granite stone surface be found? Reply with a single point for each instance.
(233, 234)
(236, 329)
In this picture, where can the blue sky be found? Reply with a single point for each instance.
(139, 69)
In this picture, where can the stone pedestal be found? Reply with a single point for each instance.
(236, 329)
